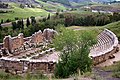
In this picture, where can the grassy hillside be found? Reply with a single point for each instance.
(115, 27)
(65, 2)
(22, 13)
(51, 6)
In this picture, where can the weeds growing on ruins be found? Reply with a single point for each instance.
(75, 49)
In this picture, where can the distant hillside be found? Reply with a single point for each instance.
(21, 1)
(65, 2)
(91, 0)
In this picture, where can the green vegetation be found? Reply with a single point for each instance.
(6, 76)
(115, 68)
(22, 13)
(115, 27)
(65, 2)
(74, 47)
(68, 19)
(27, 76)
(51, 6)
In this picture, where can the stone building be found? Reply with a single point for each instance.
(13, 43)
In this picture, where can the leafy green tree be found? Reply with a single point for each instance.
(69, 20)
(75, 49)
(116, 16)
(33, 20)
(19, 24)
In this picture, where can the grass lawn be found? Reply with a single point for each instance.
(22, 13)
(86, 27)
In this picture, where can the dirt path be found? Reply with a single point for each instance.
(107, 75)
(104, 75)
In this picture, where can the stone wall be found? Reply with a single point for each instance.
(49, 34)
(23, 66)
(37, 37)
(108, 51)
(1, 45)
(104, 57)
(13, 44)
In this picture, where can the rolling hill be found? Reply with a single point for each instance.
(65, 2)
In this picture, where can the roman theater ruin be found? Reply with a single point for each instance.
(31, 54)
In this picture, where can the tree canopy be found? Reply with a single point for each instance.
(75, 49)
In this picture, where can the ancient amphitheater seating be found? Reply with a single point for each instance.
(106, 44)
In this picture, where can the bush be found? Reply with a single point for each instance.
(116, 74)
(7, 76)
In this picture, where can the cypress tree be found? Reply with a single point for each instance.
(27, 22)
(22, 24)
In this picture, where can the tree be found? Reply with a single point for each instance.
(0, 27)
(48, 16)
(21, 6)
(75, 49)
(19, 24)
(27, 22)
(14, 25)
(22, 24)
(2, 21)
(33, 20)
(69, 20)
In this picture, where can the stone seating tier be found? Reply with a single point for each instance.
(107, 40)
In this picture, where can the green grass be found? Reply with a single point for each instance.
(114, 27)
(81, 4)
(115, 68)
(25, 76)
(52, 7)
(22, 13)
(98, 29)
